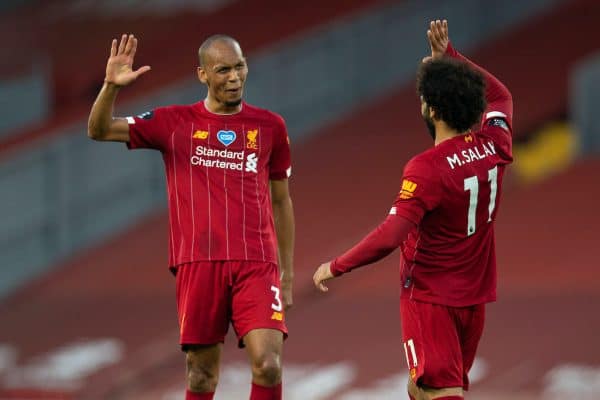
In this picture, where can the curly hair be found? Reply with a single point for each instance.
(454, 90)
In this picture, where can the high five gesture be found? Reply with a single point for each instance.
(119, 68)
(438, 38)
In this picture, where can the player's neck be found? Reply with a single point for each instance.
(443, 132)
(214, 106)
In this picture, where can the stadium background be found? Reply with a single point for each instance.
(87, 306)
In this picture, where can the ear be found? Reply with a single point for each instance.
(202, 75)
(432, 113)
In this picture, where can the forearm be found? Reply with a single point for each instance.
(283, 214)
(497, 94)
(376, 245)
(101, 124)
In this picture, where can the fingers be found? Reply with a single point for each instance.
(318, 279)
(133, 45)
(445, 28)
(122, 44)
(130, 45)
(431, 39)
(436, 34)
(322, 287)
(127, 46)
(142, 70)
(113, 48)
(287, 305)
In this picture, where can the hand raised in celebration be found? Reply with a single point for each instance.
(119, 68)
(437, 35)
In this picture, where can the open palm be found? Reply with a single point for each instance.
(119, 68)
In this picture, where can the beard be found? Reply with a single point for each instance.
(429, 124)
(233, 103)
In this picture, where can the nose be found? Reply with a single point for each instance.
(234, 75)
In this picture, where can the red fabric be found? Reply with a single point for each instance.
(376, 245)
(218, 169)
(452, 192)
(198, 396)
(265, 393)
(210, 295)
(440, 342)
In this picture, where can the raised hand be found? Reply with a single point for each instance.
(119, 68)
(437, 34)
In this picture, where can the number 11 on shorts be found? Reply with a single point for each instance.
(413, 354)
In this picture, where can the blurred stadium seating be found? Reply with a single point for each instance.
(76, 320)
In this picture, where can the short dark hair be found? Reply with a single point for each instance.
(209, 42)
(454, 90)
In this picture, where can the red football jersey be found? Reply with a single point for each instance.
(218, 169)
(443, 216)
(452, 192)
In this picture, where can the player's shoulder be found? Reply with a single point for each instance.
(168, 110)
(422, 163)
(426, 157)
(181, 109)
(263, 114)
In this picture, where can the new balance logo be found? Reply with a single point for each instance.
(277, 316)
(200, 135)
(408, 189)
(408, 185)
(252, 163)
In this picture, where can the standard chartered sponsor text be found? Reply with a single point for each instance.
(213, 158)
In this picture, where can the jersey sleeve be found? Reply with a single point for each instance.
(420, 191)
(280, 162)
(379, 243)
(499, 110)
(151, 129)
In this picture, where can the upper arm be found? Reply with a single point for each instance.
(152, 129)
(420, 191)
(499, 104)
(118, 132)
(280, 191)
(280, 165)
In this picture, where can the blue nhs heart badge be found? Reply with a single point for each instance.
(226, 137)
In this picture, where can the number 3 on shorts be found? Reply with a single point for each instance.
(277, 306)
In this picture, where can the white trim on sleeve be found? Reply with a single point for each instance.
(495, 114)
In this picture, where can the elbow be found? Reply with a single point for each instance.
(94, 133)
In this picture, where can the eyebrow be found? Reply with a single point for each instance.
(219, 66)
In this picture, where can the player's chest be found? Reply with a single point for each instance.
(235, 148)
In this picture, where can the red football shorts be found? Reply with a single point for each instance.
(210, 294)
(440, 342)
